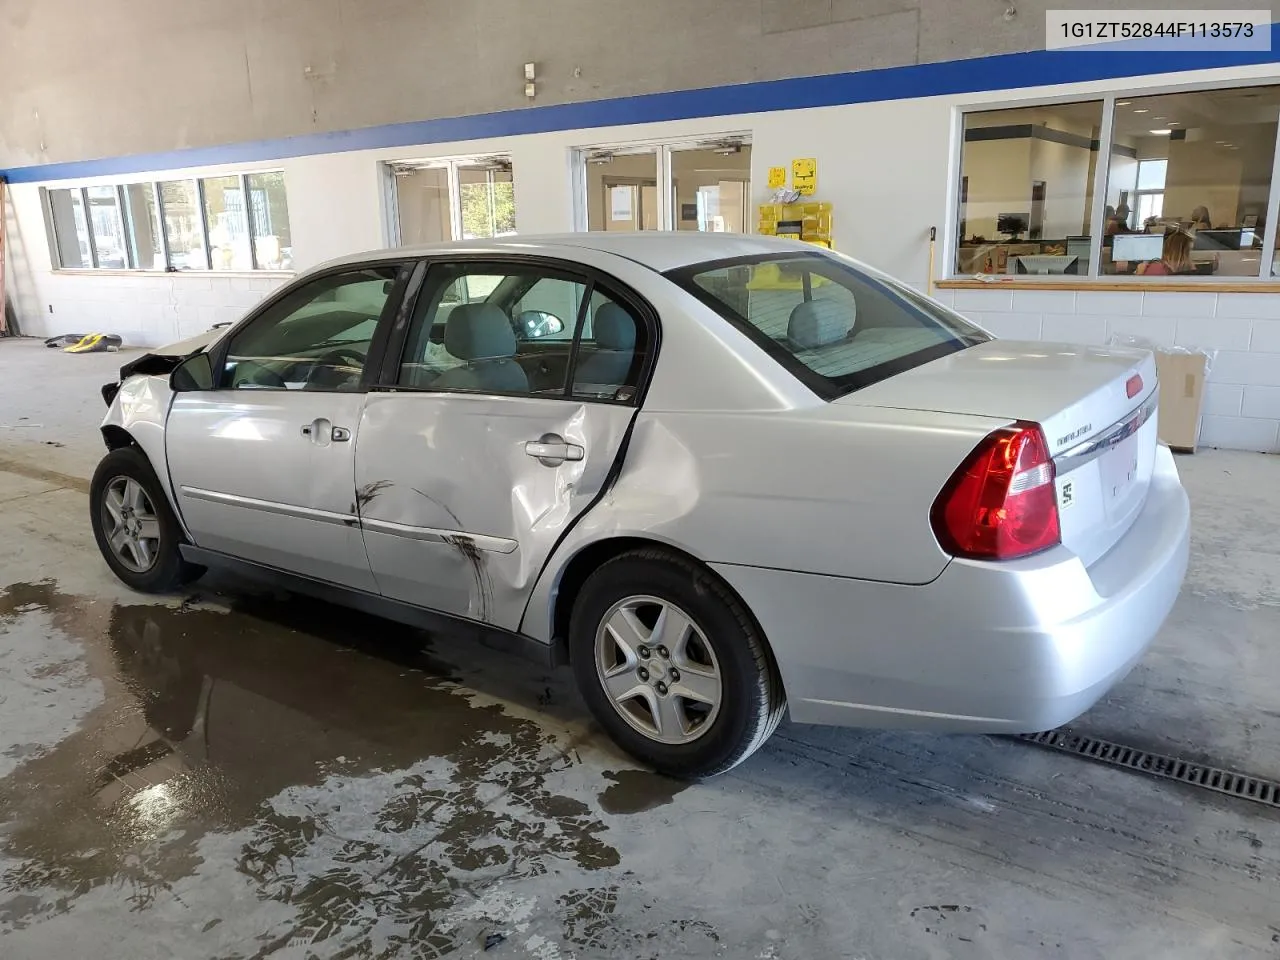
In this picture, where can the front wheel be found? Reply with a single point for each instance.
(135, 527)
(672, 665)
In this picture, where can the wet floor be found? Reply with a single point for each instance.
(237, 773)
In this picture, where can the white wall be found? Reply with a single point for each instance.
(886, 167)
(1240, 330)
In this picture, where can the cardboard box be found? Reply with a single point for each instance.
(1182, 377)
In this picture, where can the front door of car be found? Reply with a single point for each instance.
(493, 431)
(263, 465)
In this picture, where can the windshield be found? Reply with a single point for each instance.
(836, 326)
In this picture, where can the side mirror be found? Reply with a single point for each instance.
(535, 324)
(193, 373)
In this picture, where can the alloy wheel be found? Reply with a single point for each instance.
(658, 669)
(131, 525)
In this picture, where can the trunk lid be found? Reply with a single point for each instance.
(1103, 440)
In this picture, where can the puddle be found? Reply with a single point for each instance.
(268, 751)
(635, 791)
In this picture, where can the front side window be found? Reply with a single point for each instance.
(835, 326)
(317, 337)
(523, 330)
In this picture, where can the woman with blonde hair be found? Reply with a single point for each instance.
(1175, 258)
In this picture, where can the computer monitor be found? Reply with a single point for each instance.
(1137, 246)
(1217, 239)
(1079, 247)
(1043, 263)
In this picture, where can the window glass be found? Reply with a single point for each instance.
(183, 225)
(316, 338)
(70, 229)
(611, 351)
(834, 326)
(228, 223)
(1188, 183)
(622, 192)
(143, 226)
(1026, 189)
(711, 190)
(486, 194)
(422, 205)
(269, 221)
(493, 330)
(108, 228)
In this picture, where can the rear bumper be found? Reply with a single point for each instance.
(1004, 648)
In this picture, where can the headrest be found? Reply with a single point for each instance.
(816, 323)
(614, 329)
(479, 331)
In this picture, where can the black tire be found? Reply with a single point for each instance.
(752, 700)
(168, 571)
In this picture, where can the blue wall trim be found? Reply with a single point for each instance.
(1003, 72)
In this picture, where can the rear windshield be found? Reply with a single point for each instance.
(836, 326)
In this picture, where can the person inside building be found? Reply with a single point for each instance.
(1176, 256)
(1200, 219)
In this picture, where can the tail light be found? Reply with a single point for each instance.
(1002, 502)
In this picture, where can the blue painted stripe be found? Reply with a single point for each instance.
(1010, 71)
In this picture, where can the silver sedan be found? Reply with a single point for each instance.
(718, 475)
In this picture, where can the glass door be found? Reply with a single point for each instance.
(622, 191)
(711, 187)
(441, 200)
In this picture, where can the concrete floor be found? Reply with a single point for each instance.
(238, 774)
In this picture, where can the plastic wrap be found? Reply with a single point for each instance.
(1145, 343)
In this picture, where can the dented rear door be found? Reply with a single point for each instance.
(463, 496)
(504, 403)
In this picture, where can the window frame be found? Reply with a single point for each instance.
(402, 289)
(121, 188)
(591, 278)
(1097, 213)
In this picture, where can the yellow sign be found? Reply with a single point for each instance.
(777, 177)
(804, 176)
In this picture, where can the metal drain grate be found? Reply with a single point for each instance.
(1255, 789)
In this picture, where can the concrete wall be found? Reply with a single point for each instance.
(112, 77)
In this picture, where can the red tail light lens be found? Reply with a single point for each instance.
(1002, 502)
(1133, 386)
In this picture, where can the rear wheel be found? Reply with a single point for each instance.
(672, 665)
(136, 530)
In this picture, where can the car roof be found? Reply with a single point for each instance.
(658, 250)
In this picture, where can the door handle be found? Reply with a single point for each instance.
(322, 431)
(552, 450)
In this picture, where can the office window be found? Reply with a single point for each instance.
(145, 240)
(1185, 189)
(1027, 189)
(622, 191)
(70, 228)
(227, 217)
(269, 222)
(1189, 181)
(234, 222)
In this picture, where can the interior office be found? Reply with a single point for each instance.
(1197, 163)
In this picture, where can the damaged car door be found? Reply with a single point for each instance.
(263, 463)
(502, 409)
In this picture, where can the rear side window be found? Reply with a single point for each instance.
(836, 327)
